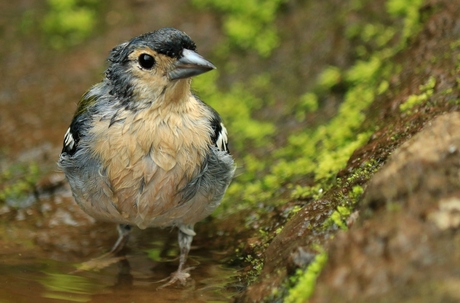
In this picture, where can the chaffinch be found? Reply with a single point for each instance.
(142, 149)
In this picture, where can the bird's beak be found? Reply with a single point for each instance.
(191, 64)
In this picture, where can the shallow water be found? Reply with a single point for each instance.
(51, 253)
(28, 279)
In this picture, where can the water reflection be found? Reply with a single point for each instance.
(131, 279)
(45, 258)
(68, 287)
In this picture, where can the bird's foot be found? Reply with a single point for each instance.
(177, 276)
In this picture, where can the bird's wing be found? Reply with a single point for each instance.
(73, 134)
(75, 130)
(219, 137)
(69, 145)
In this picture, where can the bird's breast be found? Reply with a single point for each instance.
(153, 152)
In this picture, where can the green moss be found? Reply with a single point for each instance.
(362, 173)
(357, 191)
(447, 91)
(363, 71)
(306, 280)
(17, 184)
(69, 22)
(383, 87)
(302, 192)
(249, 25)
(328, 78)
(409, 10)
(346, 202)
(338, 217)
(256, 267)
(455, 45)
(426, 91)
(337, 140)
(318, 152)
(308, 103)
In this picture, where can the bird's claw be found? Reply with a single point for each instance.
(177, 276)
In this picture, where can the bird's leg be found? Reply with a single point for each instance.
(186, 234)
(123, 235)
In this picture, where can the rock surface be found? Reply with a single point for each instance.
(406, 243)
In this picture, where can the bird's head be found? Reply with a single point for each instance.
(155, 65)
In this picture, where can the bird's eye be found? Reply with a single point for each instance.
(146, 61)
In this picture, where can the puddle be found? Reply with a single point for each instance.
(42, 251)
(27, 279)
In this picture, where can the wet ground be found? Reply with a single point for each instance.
(51, 251)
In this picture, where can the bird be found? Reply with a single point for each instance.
(142, 149)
